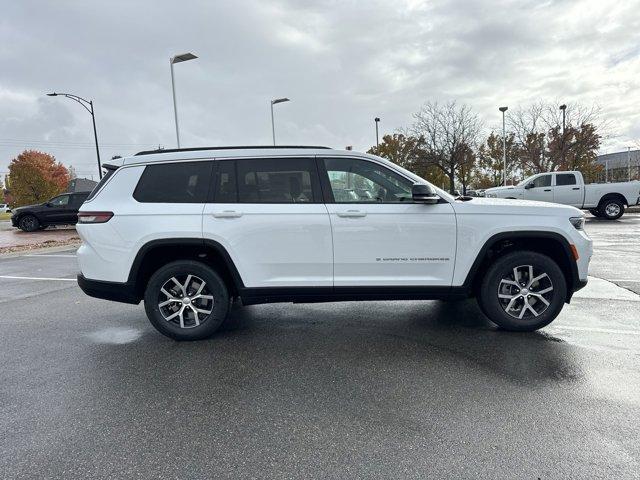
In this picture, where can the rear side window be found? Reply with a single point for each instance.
(565, 179)
(180, 182)
(268, 180)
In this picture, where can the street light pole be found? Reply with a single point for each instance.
(183, 57)
(504, 146)
(88, 106)
(563, 107)
(273, 128)
(377, 120)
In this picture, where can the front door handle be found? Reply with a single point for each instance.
(352, 213)
(575, 188)
(547, 189)
(227, 214)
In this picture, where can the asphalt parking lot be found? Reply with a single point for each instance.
(379, 389)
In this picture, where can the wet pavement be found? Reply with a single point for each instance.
(13, 237)
(373, 389)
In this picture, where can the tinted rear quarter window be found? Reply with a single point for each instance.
(180, 182)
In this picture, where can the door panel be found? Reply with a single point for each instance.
(393, 244)
(542, 190)
(274, 245)
(380, 237)
(268, 214)
(58, 211)
(566, 190)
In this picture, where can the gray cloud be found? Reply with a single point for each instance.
(341, 62)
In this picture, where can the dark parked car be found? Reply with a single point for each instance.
(60, 210)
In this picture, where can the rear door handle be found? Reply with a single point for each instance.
(227, 214)
(352, 213)
(547, 189)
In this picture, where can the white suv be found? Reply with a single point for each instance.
(188, 230)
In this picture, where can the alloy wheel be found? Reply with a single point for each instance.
(525, 293)
(186, 301)
(612, 209)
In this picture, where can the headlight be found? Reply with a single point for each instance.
(577, 222)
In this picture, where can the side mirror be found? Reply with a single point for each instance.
(422, 193)
(529, 186)
(48, 204)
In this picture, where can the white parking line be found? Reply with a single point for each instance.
(44, 255)
(10, 277)
(595, 329)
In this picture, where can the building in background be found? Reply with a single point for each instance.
(619, 166)
(81, 185)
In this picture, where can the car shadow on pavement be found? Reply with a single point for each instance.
(433, 335)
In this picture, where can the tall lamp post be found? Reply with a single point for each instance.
(88, 106)
(504, 147)
(377, 120)
(563, 107)
(273, 128)
(183, 57)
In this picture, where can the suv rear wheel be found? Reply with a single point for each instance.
(523, 291)
(186, 300)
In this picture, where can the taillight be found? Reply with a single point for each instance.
(94, 217)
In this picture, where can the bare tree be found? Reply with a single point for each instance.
(446, 132)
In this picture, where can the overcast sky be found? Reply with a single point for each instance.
(341, 62)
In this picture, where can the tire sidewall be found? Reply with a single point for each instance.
(488, 295)
(35, 224)
(216, 286)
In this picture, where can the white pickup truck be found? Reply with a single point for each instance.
(606, 200)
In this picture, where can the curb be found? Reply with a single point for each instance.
(30, 251)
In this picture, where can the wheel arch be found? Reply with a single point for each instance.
(613, 196)
(157, 253)
(552, 244)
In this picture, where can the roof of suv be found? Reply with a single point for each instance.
(230, 151)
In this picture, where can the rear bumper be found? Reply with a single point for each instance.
(117, 292)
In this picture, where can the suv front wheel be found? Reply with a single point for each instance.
(523, 291)
(186, 300)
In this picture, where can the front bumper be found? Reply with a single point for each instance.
(117, 292)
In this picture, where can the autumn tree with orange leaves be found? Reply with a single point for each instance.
(36, 177)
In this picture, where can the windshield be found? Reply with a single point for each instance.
(526, 180)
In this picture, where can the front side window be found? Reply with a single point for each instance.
(360, 181)
(60, 201)
(275, 180)
(542, 181)
(565, 179)
(180, 182)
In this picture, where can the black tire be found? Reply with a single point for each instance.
(611, 209)
(29, 223)
(503, 269)
(595, 212)
(215, 287)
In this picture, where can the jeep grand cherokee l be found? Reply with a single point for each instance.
(188, 230)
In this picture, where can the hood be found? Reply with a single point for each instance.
(498, 189)
(503, 206)
(24, 207)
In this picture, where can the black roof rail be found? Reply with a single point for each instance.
(234, 147)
